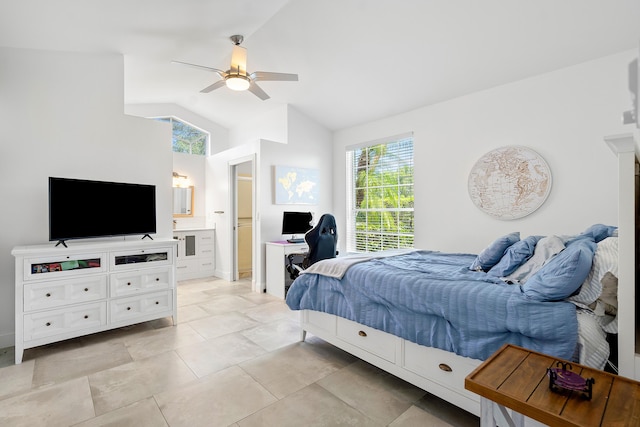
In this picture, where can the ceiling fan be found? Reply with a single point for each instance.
(237, 77)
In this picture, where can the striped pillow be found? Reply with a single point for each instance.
(605, 261)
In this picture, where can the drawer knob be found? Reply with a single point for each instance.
(48, 323)
(86, 316)
(128, 308)
(445, 367)
(362, 333)
(157, 279)
(86, 289)
(157, 302)
(128, 283)
(48, 294)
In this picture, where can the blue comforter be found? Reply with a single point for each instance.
(433, 299)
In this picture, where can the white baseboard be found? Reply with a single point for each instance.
(7, 340)
(224, 275)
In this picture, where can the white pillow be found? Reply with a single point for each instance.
(546, 248)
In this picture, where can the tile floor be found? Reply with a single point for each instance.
(234, 360)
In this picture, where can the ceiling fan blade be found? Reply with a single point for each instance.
(268, 76)
(257, 91)
(214, 86)
(221, 73)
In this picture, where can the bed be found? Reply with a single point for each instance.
(431, 317)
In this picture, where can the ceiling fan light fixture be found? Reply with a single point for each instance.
(237, 82)
(237, 77)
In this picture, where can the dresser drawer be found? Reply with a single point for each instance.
(187, 265)
(58, 266)
(206, 252)
(38, 296)
(438, 365)
(60, 321)
(206, 265)
(123, 309)
(128, 283)
(206, 237)
(369, 339)
(143, 258)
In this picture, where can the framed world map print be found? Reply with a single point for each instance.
(510, 182)
(296, 186)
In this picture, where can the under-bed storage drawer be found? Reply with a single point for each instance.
(438, 365)
(318, 319)
(372, 340)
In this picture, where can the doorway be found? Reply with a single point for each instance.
(243, 220)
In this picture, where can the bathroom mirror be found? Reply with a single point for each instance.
(183, 201)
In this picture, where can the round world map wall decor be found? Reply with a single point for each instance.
(510, 182)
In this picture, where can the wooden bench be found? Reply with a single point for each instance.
(516, 378)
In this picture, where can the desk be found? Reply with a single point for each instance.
(516, 378)
(277, 253)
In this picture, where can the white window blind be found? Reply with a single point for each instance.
(380, 195)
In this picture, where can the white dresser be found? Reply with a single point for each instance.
(63, 293)
(196, 253)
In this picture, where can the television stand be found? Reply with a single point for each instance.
(90, 287)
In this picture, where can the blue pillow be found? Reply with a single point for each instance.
(596, 232)
(515, 256)
(563, 275)
(494, 252)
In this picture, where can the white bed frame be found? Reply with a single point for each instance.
(442, 373)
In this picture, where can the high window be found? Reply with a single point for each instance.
(187, 138)
(380, 195)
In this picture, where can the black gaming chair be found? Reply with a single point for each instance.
(322, 240)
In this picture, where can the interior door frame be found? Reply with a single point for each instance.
(233, 217)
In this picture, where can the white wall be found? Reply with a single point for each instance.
(306, 144)
(562, 115)
(61, 114)
(271, 126)
(193, 167)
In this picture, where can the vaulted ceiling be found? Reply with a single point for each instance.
(357, 60)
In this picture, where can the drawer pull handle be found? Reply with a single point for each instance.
(157, 279)
(445, 367)
(157, 302)
(48, 323)
(48, 294)
(362, 333)
(86, 316)
(86, 289)
(128, 308)
(128, 283)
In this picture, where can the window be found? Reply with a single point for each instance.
(186, 138)
(380, 195)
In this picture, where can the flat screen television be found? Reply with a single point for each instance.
(296, 222)
(82, 209)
